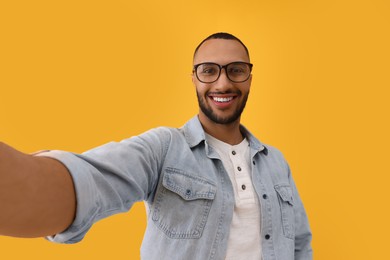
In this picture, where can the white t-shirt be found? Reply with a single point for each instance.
(244, 238)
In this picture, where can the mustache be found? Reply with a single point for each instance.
(238, 92)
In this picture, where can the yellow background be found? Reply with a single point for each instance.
(77, 74)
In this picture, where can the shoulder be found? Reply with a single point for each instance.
(161, 132)
(274, 152)
(275, 159)
(160, 135)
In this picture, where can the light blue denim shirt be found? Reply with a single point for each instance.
(188, 194)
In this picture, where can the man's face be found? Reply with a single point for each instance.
(222, 101)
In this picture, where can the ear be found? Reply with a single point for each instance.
(193, 79)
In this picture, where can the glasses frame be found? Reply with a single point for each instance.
(220, 70)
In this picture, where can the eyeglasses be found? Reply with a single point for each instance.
(209, 72)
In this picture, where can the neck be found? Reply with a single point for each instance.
(228, 133)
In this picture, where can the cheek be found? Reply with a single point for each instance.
(200, 93)
(246, 87)
(201, 89)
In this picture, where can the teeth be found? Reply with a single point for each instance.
(220, 99)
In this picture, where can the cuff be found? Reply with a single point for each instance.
(87, 206)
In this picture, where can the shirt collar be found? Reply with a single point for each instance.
(194, 134)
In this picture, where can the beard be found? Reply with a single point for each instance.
(207, 110)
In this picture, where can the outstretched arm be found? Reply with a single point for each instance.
(37, 196)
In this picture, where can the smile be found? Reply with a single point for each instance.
(222, 99)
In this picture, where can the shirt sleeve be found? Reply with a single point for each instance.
(109, 179)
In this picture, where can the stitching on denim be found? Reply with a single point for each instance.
(286, 210)
(204, 204)
(207, 188)
(222, 216)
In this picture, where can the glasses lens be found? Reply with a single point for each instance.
(207, 72)
(238, 71)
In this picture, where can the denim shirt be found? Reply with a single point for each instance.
(188, 194)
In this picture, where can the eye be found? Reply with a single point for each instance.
(237, 70)
(208, 70)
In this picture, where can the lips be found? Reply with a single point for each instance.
(222, 100)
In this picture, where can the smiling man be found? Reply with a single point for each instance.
(222, 90)
(212, 190)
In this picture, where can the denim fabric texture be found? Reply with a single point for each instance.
(188, 194)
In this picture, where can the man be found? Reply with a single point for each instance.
(212, 190)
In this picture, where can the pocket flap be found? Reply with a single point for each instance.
(187, 186)
(285, 193)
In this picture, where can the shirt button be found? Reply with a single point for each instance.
(243, 187)
(239, 168)
(234, 152)
(265, 196)
(267, 236)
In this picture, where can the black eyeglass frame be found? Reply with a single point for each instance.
(220, 70)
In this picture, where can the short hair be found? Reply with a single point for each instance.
(222, 35)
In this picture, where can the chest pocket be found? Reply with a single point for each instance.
(285, 197)
(182, 204)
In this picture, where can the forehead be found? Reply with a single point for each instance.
(221, 51)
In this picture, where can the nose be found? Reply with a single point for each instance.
(223, 83)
